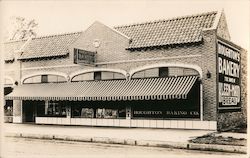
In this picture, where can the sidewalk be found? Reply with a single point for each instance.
(175, 138)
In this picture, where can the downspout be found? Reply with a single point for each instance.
(201, 100)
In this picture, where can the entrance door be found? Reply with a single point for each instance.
(28, 111)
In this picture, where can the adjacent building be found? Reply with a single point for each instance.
(182, 72)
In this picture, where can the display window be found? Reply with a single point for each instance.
(8, 108)
(107, 113)
(87, 113)
(122, 113)
(91, 111)
(55, 108)
(79, 111)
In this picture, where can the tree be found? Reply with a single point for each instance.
(22, 28)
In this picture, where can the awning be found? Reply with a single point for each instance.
(135, 89)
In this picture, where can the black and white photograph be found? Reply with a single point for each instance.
(124, 79)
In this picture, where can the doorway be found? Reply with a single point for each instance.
(29, 110)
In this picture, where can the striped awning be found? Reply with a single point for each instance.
(135, 89)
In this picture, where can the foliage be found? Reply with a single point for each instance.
(22, 28)
(220, 140)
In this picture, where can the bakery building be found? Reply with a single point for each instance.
(182, 72)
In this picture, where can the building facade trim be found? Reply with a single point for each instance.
(112, 62)
(147, 59)
(47, 67)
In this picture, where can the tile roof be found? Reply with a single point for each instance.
(135, 89)
(10, 48)
(44, 46)
(180, 30)
(49, 46)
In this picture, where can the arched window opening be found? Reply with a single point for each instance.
(165, 72)
(98, 75)
(44, 79)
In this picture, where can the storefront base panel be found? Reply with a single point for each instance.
(8, 119)
(142, 123)
(17, 119)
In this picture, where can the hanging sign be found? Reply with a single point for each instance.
(229, 77)
(84, 57)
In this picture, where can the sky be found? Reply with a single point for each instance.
(62, 16)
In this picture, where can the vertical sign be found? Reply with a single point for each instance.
(229, 77)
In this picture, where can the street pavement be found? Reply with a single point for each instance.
(170, 138)
(37, 148)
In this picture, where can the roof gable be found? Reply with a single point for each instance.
(103, 34)
(222, 28)
(187, 29)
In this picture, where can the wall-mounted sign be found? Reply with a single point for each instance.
(167, 113)
(181, 108)
(229, 77)
(84, 57)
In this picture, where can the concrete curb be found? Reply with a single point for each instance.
(149, 143)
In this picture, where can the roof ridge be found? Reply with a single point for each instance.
(13, 41)
(44, 36)
(168, 19)
(57, 34)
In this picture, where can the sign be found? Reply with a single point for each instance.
(84, 57)
(186, 108)
(229, 77)
(167, 114)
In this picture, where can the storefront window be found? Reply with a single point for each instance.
(8, 111)
(40, 108)
(122, 113)
(8, 108)
(55, 108)
(87, 113)
(76, 112)
(83, 112)
(106, 113)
